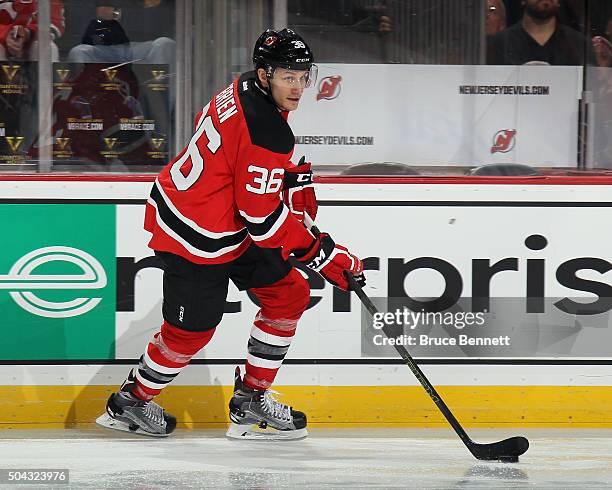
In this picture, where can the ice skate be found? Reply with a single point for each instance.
(127, 413)
(256, 414)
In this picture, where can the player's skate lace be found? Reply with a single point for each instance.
(250, 407)
(148, 415)
(154, 413)
(274, 408)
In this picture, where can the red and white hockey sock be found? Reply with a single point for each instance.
(166, 355)
(282, 305)
(269, 342)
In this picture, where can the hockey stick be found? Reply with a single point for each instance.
(507, 450)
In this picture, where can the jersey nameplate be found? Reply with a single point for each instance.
(225, 104)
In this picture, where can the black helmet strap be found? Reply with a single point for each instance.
(269, 69)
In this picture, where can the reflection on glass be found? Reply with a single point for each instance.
(599, 86)
(17, 113)
(113, 90)
(19, 78)
(19, 27)
(412, 43)
(110, 117)
(495, 17)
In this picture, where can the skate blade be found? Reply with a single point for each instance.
(255, 433)
(105, 420)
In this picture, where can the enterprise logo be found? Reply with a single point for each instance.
(22, 280)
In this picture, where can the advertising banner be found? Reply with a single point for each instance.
(440, 115)
(517, 282)
(469, 279)
(17, 115)
(57, 281)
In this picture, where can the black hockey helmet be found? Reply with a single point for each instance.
(284, 49)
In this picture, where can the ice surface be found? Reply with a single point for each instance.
(329, 458)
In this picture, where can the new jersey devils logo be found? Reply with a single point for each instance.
(329, 87)
(503, 141)
(269, 41)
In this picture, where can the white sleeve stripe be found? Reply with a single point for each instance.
(274, 228)
(253, 219)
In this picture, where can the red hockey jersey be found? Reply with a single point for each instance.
(222, 192)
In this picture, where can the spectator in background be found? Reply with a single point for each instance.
(603, 51)
(599, 83)
(538, 38)
(345, 31)
(105, 40)
(571, 12)
(19, 28)
(496, 17)
(602, 46)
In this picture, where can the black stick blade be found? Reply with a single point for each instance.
(507, 450)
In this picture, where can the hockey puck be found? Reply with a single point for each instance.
(509, 459)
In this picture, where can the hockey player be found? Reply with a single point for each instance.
(230, 206)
